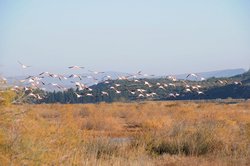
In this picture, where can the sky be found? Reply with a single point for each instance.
(154, 36)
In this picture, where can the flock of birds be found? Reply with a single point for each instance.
(31, 83)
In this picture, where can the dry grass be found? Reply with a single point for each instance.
(150, 133)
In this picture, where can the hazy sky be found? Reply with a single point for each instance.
(155, 36)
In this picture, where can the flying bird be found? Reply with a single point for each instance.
(132, 92)
(117, 85)
(117, 91)
(105, 93)
(192, 74)
(77, 95)
(161, 87)
(44, 73)
(221, 81)
(194, 87)
(141, 90)
(200, 93)
(75, 67)
(96, 72)
(203, 79)
(171, 84)
(89, 94)
(140, 95)
(148, 84)
(75, 76)
(166, 85)
(237, 83)
(172, 95)
(172, 78)
(23, 66)
(3, 80)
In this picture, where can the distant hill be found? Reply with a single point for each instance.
(236, 87)
(216, 73)
(233, 74)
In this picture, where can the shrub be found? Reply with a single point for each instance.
(51, 114)
(84, 112)
(101, 148)
(6, 97)
(199, 142)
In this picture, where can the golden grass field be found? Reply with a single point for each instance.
(148, 133)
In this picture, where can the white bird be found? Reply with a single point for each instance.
(122, 78)
(220, 81)
(161, 87)
(200, 93)
(203, 79)
(172, 78)
(166, 85)
(75, 76)
(44, 73)
(151, 94)
(39, 97)
(237, 83)
(53, 75)
(89, 94)
(194, 87)
(105, 78)
(75, 67)
(140, 95)
(188, 90)
(171, 84)
(172, 95)
(141, 90)
(112, 88)
(42, 82)
(27, 88)
(32, 95)
(198, 86)
(148, 84)
(80, 86)
(192, 74)
(139, 73)
(117, 85)
(60, 77)
(23, 66)
(108, 76)
(148, 75)
(16, 88)
(104, 93)
(96, 72)
(3, 80)
(31, 80)
(77, 95)
(22, 81)
(56, 85)
(132, 92)
(117, 91)
(89, 89)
